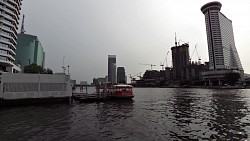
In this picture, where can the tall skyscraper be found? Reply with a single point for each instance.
(121, 77)
(112, 68)
(9, 16)
(180, 58)
(220, 38)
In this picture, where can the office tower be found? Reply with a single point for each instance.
(9, 16)
(121, 77)
(220, 38)
(113, 75)
(180, 58)
(112, 68)
(29, 50)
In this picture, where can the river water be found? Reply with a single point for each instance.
(153, 114)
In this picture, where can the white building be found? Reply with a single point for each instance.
(223, 56)
(220, 38)
(9, 16)
(23, 86)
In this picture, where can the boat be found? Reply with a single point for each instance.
(88, 93)
(121, 91)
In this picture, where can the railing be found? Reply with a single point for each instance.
(85, 95)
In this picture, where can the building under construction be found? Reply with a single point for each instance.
(183, 72)
(180, 58)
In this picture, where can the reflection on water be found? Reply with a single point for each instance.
(153, 114)
(184, 110)
(230, 107)
(33, 123)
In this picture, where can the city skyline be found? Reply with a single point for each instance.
(139, 31)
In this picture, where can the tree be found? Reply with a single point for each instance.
(232, 78)
(49, 71)
(34, 68)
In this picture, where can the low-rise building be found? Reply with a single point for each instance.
(23, 86)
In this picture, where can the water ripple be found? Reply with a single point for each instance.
(153, 114)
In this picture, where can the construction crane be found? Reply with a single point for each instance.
(167, 59)
(132, 77)
(163, 62)
(148, 65)
(195, 49)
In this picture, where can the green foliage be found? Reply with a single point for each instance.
(232, 78)
(49, 71)
(34, 68)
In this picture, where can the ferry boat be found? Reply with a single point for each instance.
(87, 93)
(121, 91)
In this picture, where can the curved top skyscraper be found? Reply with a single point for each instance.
(220, 38)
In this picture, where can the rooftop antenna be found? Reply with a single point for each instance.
(175, 40)
(22, 28)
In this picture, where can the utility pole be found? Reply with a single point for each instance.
(63, 67)
(68, 70)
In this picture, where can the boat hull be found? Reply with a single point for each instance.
(122, 97)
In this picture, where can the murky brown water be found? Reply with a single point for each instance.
(154, 114)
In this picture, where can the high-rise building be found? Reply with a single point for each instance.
(112, 68)
(9, 16)
(29, 50)
(121, 76)
(223, 56)
(220, 38)
(180, 58)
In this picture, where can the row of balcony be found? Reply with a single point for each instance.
(9, 29)
(10, 51)
(10, 18)
(8, 36)
(7, 57)
(9, 32)
(13, 6)
(8, 23)
(10, 44)
(7, 47)
(13, 15)
(17, 3)
(6, 62)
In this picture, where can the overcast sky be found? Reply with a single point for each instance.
(136, 31)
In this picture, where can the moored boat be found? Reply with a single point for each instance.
(121, 91)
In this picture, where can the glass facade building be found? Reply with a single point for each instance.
(112, 68)
(9, 20)
(29, 50)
